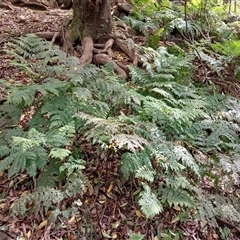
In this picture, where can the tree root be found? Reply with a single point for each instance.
(104, 58)
(87, 51)
(99, 54)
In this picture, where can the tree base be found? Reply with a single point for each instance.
(98, 54)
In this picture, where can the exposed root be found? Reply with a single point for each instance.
(66, 42)
(132, 54)
(104, 58)
(48, 35)
(87, 51)
(99, 54)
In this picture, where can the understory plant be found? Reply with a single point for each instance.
(174, 138)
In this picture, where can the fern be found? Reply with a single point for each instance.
(156, 123)
(176, 197)
(50, 175)
(187, 159)
(44, 196)
(149, 203)
(138, 164)
(136, 236)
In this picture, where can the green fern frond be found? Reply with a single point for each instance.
(165, 156)
(143, 172)
(206, 212)
(4, 151)
(141, 26)
(50, 175)
(187, 159)
(138, 75)
(228, 48)
(76, 184)
(62, 136)
(43, 196)
(133, 162)
(22, 97)
(131, 142)
(112, 131)
(59, 153)
(176, 197)
(72, 165)
(149, 203)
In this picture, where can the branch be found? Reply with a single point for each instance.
(228, 223)
(47, 35)
(31, 5)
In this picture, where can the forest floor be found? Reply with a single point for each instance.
(108, 210)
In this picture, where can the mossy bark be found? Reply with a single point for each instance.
(91, 18)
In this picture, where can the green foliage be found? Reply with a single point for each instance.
(136, 236)
(149, 203)
(158, 123)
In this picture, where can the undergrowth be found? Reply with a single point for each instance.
(174, 138)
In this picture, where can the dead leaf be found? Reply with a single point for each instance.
(138, 213)
(42, 224)
(110, 188)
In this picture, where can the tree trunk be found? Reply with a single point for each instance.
(91, 18)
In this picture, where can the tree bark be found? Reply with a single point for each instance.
(91, 18)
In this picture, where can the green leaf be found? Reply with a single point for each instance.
(59, 153)
(150, 205)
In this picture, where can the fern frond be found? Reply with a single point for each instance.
(144, 172)
(187, 159)
(133, 162)
(176, 197)
(43, 196)
(131, 142)
(72, 165)
(149, 203)
(50, 175)
(59, 153)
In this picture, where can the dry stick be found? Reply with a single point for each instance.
(47, 232)
(191, 41)
(229, 224)
(53, 39)
(34, 6)
(47, 35)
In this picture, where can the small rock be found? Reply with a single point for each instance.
(21, 19)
